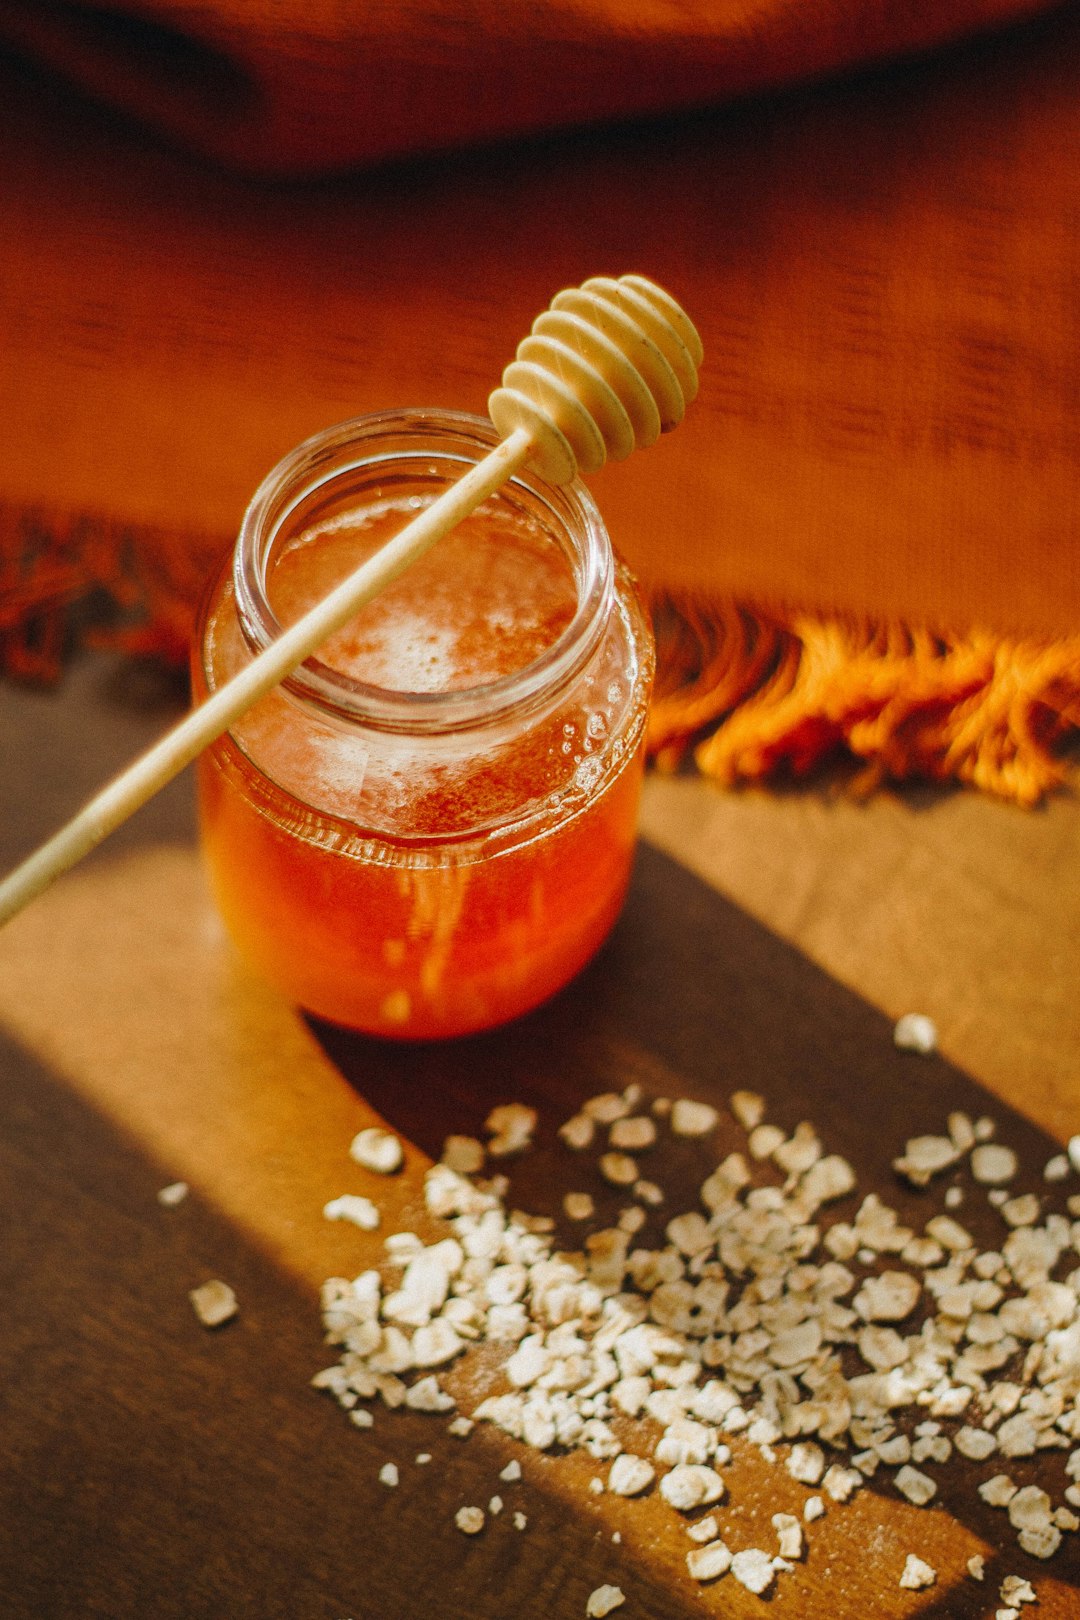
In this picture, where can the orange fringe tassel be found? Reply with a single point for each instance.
(746, 694)
(95, 581)
(752, 694)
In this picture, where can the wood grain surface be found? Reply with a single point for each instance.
(151, 1467)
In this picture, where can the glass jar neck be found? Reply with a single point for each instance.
(342, 468)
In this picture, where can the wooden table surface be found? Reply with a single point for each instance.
(154, 1468)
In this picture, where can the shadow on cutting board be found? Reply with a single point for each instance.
(153, 1468)
(693, 998)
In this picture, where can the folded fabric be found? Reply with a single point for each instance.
(862, 537)
(288, 86)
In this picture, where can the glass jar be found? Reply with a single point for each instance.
(429, 829)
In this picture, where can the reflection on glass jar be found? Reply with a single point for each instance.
(430, 829)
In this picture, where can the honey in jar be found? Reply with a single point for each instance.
(429, 829)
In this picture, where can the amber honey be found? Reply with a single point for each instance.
(428, 830)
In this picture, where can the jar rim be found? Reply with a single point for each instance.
(399, 436)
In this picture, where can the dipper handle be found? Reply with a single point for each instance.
(607, 367)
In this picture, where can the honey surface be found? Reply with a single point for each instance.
(418, 890)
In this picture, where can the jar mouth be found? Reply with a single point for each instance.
(439, 447)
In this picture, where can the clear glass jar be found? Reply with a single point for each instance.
(430, 829)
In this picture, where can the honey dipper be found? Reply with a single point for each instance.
(606, 368)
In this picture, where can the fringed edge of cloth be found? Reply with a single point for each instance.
(750, 695)
(747, 694)
(96, 581)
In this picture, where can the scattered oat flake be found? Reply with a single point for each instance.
(813, 1508)
(388, 1474)
(961, 1130)
(469, 1520)
(606, 1108)
(949, 1233)
(888, 1297)
(830, 1178)
(932, 1448)
(1021, 1211)
(691, 1485)
(1015, 1590)
(603, 1600)
(748, 1108)
(976, 1567)
(579, 1206)
(578, 1131)
(917, 1574)
(510, 1127)
(925, 1156)
(789, 1534)
(511, 1472)
(977, 1444)
(690, 1233)
(753, 1569)
(997, 1491)
(520, 1521)
(1072, 1153)
(895, 1450)
(691, 1118)
(377, 1150)
(764, 1140)
(465, 1154)
(214, 1303)
(351, 1207)
(796, 1345)
(1030, 1508)
(918, 1487)
(706, 1529)
(426, 1395)
(633, 1133)
(630, 1475)
(648, 1192)
(806, 1463)
(915, 1032)
(618, 1168)
(993, 1163)
(1042, 1542)
(709, 1562)
(841, 1483)
(173, 1194)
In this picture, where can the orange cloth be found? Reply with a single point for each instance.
(880, 479)
(294, 86)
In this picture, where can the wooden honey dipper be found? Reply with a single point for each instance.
(606, 368)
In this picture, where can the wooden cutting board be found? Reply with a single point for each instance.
(155, 1467)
